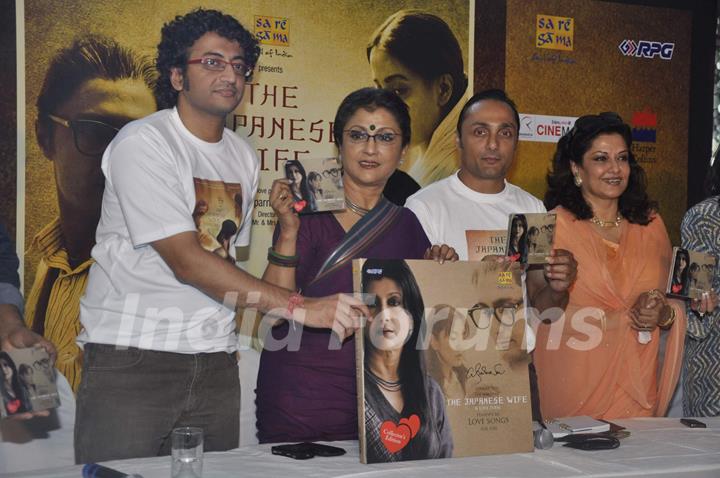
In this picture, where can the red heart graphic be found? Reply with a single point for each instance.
(413, 423)
(300, 205)
(394, 437)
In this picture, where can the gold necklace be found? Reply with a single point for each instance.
(601, 223)
(360, 211)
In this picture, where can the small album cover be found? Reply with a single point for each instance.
(442, 361)
(316, 184)
(485, 243)
(530, 237)
(27, 381)
(691, 273)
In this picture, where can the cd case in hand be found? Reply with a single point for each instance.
(691, 274)
(316, 184)
(27, 381)
(530, 237)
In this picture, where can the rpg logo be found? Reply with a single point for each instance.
(647, 49)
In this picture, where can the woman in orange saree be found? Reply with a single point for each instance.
(601, 358)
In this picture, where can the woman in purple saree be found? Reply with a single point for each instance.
(306, 389)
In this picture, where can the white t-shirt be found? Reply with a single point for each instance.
(162, 180)
(447, 208)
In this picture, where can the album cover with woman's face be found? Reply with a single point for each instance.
(530, 237)
(316, 184)
(442, 364)
(691, 274)
(27, 381)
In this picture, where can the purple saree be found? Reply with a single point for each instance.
(310, 394)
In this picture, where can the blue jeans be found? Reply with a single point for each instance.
(131, 399)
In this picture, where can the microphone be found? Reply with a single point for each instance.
(93, 470)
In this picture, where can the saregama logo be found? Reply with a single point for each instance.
(647, 49)
(272, 30)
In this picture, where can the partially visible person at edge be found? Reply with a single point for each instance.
(91, 90)
(158, 313)
(416, 55)
(14, 334)
(609, 367)
(310, 393)
(479, 197)
(700, 231)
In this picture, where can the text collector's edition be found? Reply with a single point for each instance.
(442, 365)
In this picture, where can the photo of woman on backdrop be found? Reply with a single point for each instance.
(396, 383)
(416, 55)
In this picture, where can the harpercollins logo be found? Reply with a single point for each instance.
(647, 49)
(644, 125)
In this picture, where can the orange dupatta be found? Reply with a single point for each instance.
(590, 362)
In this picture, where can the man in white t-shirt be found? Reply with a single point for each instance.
(479, 197)
(158, 312)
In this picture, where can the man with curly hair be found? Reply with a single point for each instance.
(159, 309)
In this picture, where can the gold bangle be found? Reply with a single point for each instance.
(669, 320)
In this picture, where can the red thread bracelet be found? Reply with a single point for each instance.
(295, 300)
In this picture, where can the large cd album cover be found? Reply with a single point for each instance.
(316, 184)
(442, 364)
(530, 237)
(691, 273)
(27, 381)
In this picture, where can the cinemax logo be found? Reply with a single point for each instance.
(647, 49)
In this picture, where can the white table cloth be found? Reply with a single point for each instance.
(657, 447)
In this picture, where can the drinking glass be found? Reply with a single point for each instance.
(187, 452)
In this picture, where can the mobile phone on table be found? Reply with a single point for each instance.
(326, 450)
(298, 451)
(692, 423)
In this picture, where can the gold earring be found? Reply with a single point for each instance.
(577, 180)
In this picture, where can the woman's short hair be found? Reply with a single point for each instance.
(424, 44)
(180, 34)
(371, 99)
(634, 203)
